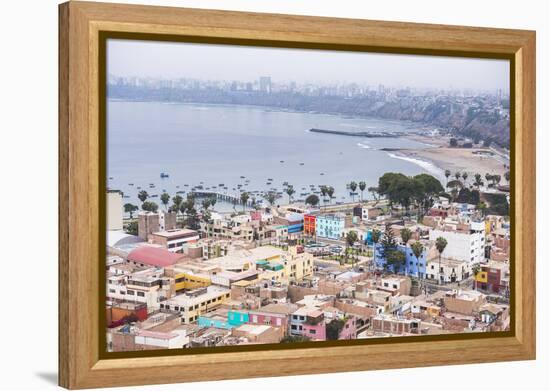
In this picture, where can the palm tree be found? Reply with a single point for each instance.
(213, 201)
(205, 204)
(464, 176)
(244, 199)
(507, 176)
(417, 249)
(440, 244)
(165, 199)
(330, 192)
(353, 187)
(496, 179)
(478, 182)
(488, 177)
(457, 175)
(271, 197)
(406, 235)
(375, 237)
(290, 191)
(143, 195)
(351, 238)
(130, 208)
(362, 187)
(324, 193)
(447, 175)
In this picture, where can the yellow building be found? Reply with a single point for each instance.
(187, 280)
(288, 266)
(192, 304)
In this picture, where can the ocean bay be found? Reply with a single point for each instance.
(258, 148)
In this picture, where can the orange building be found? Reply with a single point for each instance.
(309, 224)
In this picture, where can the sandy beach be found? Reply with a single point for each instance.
(470, 160)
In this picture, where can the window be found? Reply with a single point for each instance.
(141, 294)
(112, 291)
(312, 331)
(130, 292)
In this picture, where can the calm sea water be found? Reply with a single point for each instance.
(231, 145)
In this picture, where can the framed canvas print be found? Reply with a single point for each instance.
(247, 195)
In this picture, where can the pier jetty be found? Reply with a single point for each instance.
(355, 134)
(221, 196)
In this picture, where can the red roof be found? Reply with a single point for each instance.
(153, 256)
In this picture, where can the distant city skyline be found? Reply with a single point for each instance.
(129, 58)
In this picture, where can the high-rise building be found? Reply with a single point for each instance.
(265, 84)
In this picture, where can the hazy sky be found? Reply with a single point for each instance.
(228, 62)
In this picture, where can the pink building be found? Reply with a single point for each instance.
(314, 326)
(350, 329)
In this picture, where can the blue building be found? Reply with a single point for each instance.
(330, 226)
(413, 267)
(237, 318)
(214, 320)
(295, 222)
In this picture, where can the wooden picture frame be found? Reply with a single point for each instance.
(81, 25)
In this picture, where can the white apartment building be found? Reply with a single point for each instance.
(463, 245)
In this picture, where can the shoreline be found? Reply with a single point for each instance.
(440, 157)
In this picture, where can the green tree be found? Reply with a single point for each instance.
(351, 238)
(353, 187)
(406, 235)
(457, 175)
(475, 271)
(395, 260)
(130, 208)
(417, 249)
(388, 244)
(165, 199)
(362, 187)
(464, 176)
(330, 192)
(447, 175)
(334, 328)
(440, 244)
(244, 199)
(290, 191)
(213, 201)
(177, 200)
(507, 176)
(149, 206)
(132, 228)
(271, 197)
(477, 181)
(312, 200)
(143, 195)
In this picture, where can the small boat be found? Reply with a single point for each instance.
(154, 196)
(130, 184)
(301, 164)
(242, 177)
(139, 187)
(164, 175)
(282, 161)
(322, 173)
(110, 177)
(177, 187)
